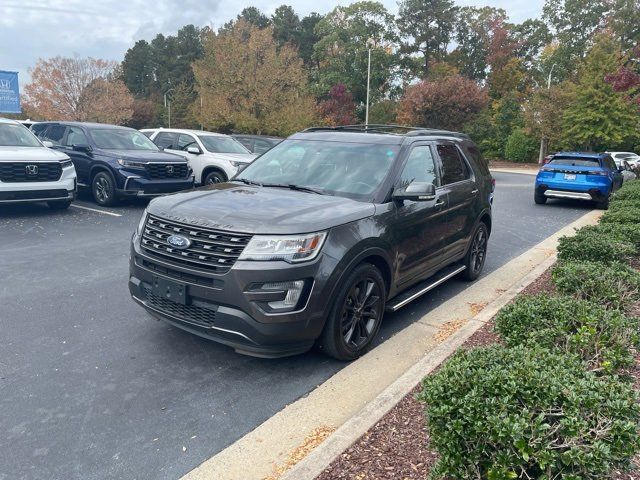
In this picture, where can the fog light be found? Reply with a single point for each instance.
(293, 289)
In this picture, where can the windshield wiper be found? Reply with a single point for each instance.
(247, 182)
(292, 186)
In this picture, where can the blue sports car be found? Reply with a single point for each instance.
(579, 176)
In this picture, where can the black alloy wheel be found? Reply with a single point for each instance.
(477, 254)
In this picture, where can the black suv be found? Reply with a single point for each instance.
(312, 241)
(116, 162)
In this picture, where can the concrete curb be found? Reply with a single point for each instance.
(320, 458)
(514, 170)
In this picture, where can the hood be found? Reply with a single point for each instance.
(259, 210)
(232, 157)
(143, 155)
(31, 154)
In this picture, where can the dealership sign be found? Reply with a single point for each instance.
(9, 92)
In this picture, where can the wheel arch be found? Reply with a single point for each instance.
(212, 168)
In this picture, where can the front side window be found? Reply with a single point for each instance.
(13, 135)
(186, 141)
(454, 168)
(121, 139)
(420, 167)
(220, 144)
(354, 170)
(76, 137)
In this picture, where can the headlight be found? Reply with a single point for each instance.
(131, 164)
(290, 248)
(237, 164)
(143, 219)
(66, 163)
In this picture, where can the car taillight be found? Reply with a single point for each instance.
(602, 173)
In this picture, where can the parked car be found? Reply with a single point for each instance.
(633, 159)
(546, 159)
(214, 157)
(116, 162)
(579, 176)
(315, 239)
(257, 144)
(31, 172)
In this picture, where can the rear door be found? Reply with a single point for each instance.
(459, 184)
(419, 227)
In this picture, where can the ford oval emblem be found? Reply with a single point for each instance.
(179, 242)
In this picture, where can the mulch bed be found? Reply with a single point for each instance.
(397, 447)
(522, 166)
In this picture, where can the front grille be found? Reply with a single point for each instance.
(212, 251)
(14, 172)
(33, 195)
(167, 170)
(190, 313)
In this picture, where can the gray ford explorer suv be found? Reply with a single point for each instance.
(315, 239)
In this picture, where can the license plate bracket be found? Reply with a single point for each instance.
(569, 176)
(169, 290)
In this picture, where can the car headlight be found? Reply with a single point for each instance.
(131, 164)
(143, 219)
(290, 248)
(66, 163)
(237, 164)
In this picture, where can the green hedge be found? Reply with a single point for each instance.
(501, 413)
(596, 246)
(605, 339)
(628, 232)
(613, 286)
(520, 147)
(629, 191)
(628, 216)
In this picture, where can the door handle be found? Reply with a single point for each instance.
(439, 202)
(474, 191)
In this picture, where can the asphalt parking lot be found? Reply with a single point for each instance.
(92, 388)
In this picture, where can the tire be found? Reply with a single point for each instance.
(59, 204)
(349, 331)
(103, 189)
(214, 176)
(477, 254)
(604, 204)
(539, 198)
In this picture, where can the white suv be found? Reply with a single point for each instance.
(31, 172)
(213, 157)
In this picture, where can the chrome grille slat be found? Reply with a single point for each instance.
(213, 256)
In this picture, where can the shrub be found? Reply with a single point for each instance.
(596, 246)
(624, 232)
(624, 204)
(501, 413)
(613, 286)
(520, 147)
(629, 191)
(628, 216)
(605, 339)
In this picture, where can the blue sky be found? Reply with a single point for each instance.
(32, 29)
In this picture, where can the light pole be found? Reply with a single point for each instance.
(543, 141)
(168, 105)
(370, 44)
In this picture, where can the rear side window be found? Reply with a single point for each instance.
(454, 168)
(474, 154)
(420, 167)
(55, 134)
(575, 161)
(166, 140)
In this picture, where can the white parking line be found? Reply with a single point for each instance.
(96, 210)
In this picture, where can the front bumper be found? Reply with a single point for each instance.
(136, 186)
(27, 192)
(222, 308)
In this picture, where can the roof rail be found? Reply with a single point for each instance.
(383, 128)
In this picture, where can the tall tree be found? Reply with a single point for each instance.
(427, 28)
(338, 108)
(597, 117)
(286, 26)
(308, 37)
(105, 101)
(138, 70)
(57, 85)
(255, 17)
(342, 50)
(248, 84)
(448, 103)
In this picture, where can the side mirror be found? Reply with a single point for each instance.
(81, 147)
(194, 150)
(416, 192)
(242, 167)
(47, 143)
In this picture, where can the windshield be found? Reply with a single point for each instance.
(216, 144)
(346, 169)
(575, 161)
(12, 135)
(121, 139)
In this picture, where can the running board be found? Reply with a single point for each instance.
(416, 292)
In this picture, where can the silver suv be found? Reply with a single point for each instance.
(31, 172)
